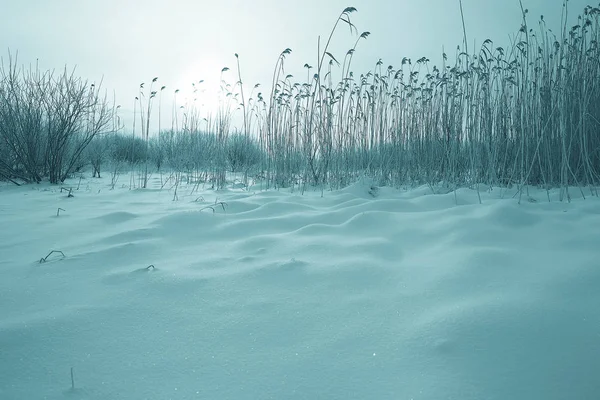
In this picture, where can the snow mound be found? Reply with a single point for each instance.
(363, 293)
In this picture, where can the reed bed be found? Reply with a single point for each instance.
(523, 114)
(528, 114)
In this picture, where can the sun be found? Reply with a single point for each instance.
(198, 84)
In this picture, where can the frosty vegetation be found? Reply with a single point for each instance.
(527, 114)
(46, 122)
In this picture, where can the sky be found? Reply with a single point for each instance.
(128, 43)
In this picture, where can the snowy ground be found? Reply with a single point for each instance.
(389, 295)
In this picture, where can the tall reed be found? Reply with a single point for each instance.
(523, 114)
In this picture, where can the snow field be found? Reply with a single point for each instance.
(393, 294)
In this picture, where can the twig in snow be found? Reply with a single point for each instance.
(43, 260)
(212, 207)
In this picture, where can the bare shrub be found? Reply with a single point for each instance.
(46, 121)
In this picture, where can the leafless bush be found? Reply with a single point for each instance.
(46, 121)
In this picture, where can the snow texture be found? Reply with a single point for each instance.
(363, 293)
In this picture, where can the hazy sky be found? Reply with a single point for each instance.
(181, 41)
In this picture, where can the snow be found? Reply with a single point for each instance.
(359, 294)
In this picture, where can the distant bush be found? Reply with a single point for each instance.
(98, 152)
(127, 148)
(243, 153)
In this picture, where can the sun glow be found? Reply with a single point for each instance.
(199, 84)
